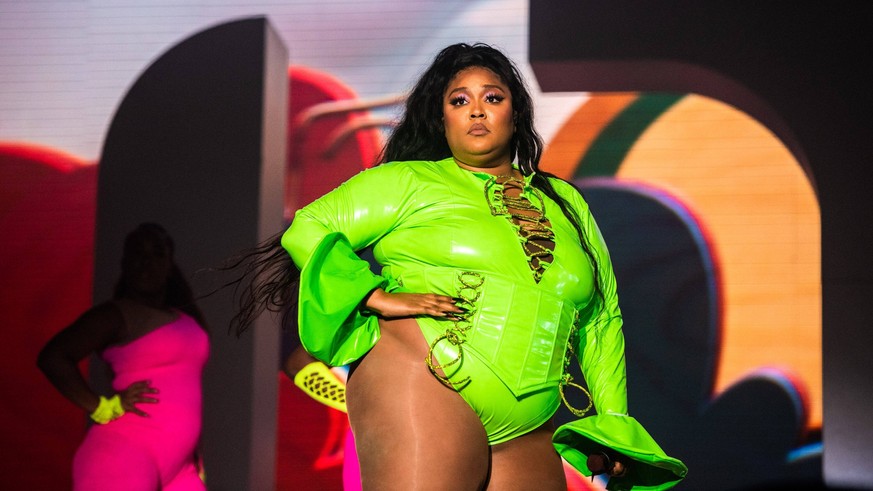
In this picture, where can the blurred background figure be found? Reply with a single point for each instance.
(153, 338)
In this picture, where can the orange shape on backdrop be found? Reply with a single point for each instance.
(760, 211)
(764, 221)
(572, 141)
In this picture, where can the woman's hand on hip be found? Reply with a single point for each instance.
(391, 305)
(138, 392)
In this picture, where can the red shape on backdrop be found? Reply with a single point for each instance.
(314, 165)
(46, 262)
(311, 436)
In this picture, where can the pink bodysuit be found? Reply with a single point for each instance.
(137, 453)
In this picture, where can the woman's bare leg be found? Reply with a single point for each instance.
(528, 462)
(411, 432)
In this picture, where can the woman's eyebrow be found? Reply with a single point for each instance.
(484, 86)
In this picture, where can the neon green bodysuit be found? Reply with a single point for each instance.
(438, 228)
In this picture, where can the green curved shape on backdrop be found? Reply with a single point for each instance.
(608, 151)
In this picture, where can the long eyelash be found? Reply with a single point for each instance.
(457, 100)
(495, 97)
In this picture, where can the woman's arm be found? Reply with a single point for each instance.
(601, 338)
(92, 332)
(363, 209)
(59, 359)
(340, 298)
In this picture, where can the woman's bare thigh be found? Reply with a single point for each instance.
(527, 462)
(412, 432)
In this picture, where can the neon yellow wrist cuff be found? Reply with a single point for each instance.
(319, 383)
(108, 410)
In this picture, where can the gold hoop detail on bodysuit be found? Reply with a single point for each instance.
(467, 293)
(567, 379)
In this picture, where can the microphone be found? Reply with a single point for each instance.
(602, 463)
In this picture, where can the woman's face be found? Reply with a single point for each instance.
(146, 266)
(478, 119)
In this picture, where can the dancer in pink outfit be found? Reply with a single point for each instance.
(152, 336)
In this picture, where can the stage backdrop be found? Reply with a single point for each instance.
(713, 225)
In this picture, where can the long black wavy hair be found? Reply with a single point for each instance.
(179, 294)
(270, 277)
(420, 134)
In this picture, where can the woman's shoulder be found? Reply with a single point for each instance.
(563, 187)
(413, 165)
(104, 322)
(108, 311)
(406, 168)
(569, 192)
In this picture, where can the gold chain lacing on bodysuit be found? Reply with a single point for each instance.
(506, 197)
(567, 379)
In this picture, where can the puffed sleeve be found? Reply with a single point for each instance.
(323, 239)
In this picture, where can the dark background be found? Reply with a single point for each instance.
(801, 69)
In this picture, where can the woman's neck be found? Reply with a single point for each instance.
(497, 169)
(153, 300)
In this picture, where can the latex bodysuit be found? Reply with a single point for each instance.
(438, 228)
